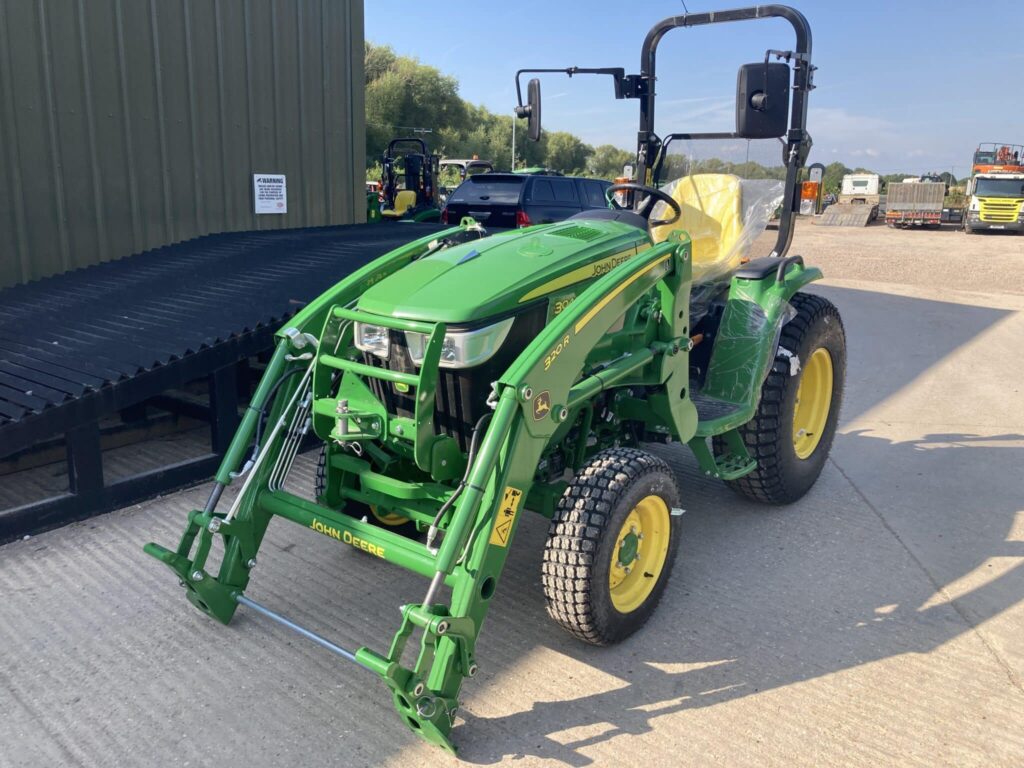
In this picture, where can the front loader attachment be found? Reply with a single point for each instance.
(536, 400)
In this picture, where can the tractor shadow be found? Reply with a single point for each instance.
(761, 598)
(889, 554)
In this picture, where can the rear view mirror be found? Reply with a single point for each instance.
(532, 109)
(762, 100)
(533, 101)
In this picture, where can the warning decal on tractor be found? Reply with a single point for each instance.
(506, 516)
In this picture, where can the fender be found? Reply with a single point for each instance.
(748, 336)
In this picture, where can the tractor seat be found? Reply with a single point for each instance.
(404, 200)
(712, 215)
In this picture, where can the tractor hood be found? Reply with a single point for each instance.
(499, 273)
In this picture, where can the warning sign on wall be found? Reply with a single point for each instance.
(270, 193)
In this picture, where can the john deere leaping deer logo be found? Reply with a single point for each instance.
(541, 405)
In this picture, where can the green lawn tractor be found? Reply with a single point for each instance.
(409, 186)
(462, 380)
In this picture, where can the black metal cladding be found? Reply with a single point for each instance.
(75, 334)
(81, 346)
(462, 393)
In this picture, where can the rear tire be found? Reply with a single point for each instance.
(788, 461)
(611, 546)
(400, 525)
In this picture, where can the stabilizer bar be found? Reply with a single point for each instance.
(306, 633)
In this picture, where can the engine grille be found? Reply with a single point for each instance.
(1000, 210)
(461, 397)
(578, 232)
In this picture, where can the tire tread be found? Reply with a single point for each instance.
(574, 537)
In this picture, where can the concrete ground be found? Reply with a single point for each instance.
(878, 621)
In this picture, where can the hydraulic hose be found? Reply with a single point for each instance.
(265, 408)
(474, 445)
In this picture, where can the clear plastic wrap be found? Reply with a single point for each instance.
(723, 215)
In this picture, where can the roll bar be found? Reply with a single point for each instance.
(797, 143)
(409, 140)
(651, 148)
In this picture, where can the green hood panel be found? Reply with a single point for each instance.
(496, 274)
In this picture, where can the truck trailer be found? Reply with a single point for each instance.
(859, 200)
(914, 203)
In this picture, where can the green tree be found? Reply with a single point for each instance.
(377, 60)
(566, 153)
(832, 179)
(401, 93)
(607, 160)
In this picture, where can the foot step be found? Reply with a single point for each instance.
(731, 466)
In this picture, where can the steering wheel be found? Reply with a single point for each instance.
(646, 207)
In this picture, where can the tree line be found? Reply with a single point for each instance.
(407, 98)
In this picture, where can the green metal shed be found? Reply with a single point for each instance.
(130, 124)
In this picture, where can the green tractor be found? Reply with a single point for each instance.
(463, 379)
(409, 187)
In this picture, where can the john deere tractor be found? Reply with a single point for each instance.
(409, 186)
(465, 379)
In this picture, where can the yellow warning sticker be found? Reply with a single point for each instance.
(506, 516)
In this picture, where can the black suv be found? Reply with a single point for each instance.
(518, 200)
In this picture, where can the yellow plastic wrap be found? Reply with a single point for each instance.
(723, 215)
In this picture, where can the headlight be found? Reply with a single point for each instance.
(373, 339)
(462, 349)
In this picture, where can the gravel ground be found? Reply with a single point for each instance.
(989, 262)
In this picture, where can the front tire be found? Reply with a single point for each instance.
(791, 434)
(611, 546)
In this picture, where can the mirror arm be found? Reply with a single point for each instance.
(623, 84)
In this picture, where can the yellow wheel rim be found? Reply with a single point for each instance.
(813, 401)
(641, 547)
(389, 518)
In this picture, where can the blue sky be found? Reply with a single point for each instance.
(902, 86)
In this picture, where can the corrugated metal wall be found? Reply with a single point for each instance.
(129, 124)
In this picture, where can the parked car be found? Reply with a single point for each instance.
(507, 200)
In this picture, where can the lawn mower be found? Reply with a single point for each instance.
(409, 186)
(463, 379)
